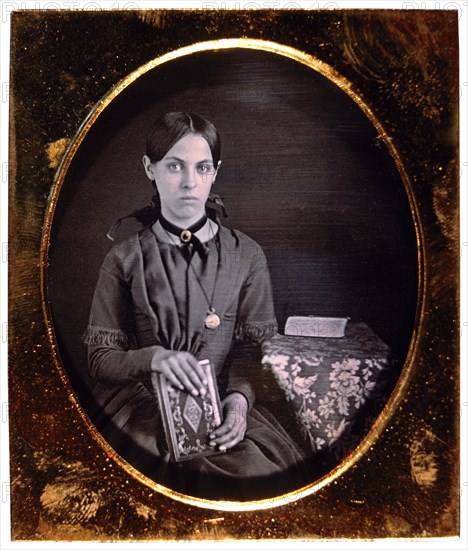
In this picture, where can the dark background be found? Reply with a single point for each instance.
(304, 173)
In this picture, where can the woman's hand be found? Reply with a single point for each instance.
(182, 370)
(232, 430)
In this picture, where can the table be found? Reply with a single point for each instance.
(335, 386)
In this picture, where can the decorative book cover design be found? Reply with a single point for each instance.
(188, 419)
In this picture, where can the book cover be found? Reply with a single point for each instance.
(314, 326)
(188, 419)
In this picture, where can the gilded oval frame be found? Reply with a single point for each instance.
(409, 365)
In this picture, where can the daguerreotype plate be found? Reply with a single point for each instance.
(340, 157)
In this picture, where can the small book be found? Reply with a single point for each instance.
(189, 419)
(319, 327)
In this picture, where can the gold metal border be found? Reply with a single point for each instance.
(409, 365)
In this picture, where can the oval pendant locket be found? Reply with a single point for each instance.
(212, 320)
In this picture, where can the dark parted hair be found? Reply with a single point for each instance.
(169, 128)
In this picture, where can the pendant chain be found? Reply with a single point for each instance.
(211, 311)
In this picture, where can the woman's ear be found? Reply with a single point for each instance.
(216, 172)
(149, 167)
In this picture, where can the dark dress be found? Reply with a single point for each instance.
(150, 298)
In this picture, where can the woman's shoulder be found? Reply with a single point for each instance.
(125, 252)
(229, 233)
(248, 248)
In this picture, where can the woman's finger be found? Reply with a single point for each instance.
(186, 364)
(201, 370)
(232, 429)
(232, 443)
(180, 372)
(183, 371)
(229, 440)
(171, 377)
(226, 427)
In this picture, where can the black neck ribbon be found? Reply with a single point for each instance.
(187, 236)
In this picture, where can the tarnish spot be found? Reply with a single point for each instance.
(423, 460)
(154, 18)
(66, 502)
(445, 197)
(55, 151)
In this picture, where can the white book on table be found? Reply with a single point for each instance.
(314, 326)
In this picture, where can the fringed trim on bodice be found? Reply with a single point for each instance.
(102, 336)
(256, 332)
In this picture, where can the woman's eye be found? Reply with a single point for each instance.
(174, 167)
(206, 168)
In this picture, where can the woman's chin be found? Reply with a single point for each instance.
(188, 212)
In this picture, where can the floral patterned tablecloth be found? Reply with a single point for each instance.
(336, 386)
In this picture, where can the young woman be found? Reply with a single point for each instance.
(183, 289)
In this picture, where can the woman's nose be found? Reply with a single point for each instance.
(189, 180)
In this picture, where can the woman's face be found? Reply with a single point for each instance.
(183, 179)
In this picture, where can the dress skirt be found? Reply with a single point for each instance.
(267, 463)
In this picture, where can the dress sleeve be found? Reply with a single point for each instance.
(255, 323)
(109, 333)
